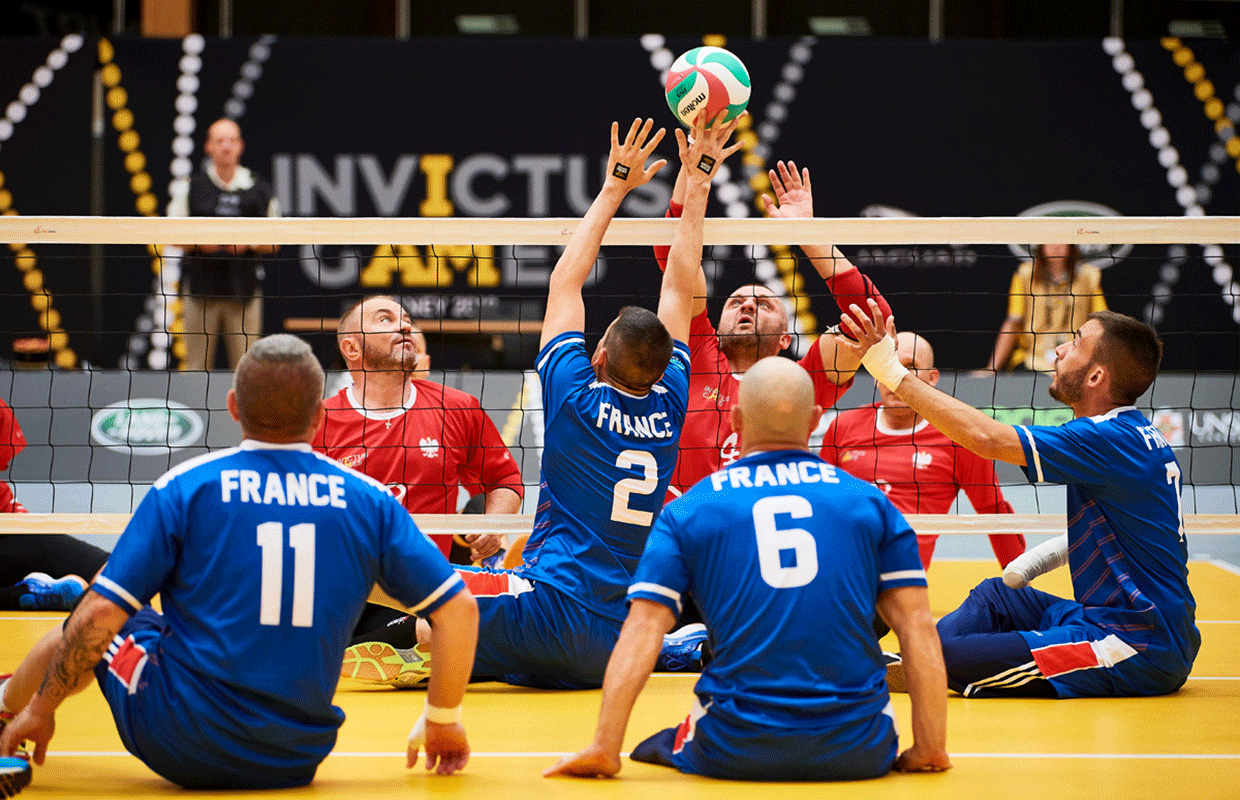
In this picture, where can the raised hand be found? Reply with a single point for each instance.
(792, 193)
(702, 157)
(626, 165)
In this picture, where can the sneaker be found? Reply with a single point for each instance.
(897, 681)
(380, 662)
(45, 594)
(14, 775)
(682, 649)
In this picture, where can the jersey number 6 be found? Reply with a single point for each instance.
(773, 542)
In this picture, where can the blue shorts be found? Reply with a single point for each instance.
(709, 744)
(1004, 642)
(530, 634)
(172, 722)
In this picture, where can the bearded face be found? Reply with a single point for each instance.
(753, 320)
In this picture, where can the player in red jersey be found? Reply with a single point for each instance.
(420, 438)
(920, 470)
(754, 325)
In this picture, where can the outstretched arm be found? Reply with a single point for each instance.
(684, 281)
(794, 199)
(454, 636)
(907, 610)
(629, 667)
(86, 636)
(566, 311)
(661, 252)
(958, 421)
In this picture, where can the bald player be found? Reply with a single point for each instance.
(752, 325)
(919, 469)
(788, 559)
(420, 438)
(262, 555)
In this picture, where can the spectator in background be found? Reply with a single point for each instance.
(919, 469)
(27, 559)
(1048, 302)
(221, 288)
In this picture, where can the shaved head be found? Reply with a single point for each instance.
(278, 389)
(776, 408)
(916, 348)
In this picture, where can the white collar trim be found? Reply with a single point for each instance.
(385, 414)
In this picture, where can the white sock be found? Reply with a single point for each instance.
(1047, 556)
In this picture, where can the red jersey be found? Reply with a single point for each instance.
(442, 439)
(707, 441)
(920, 470)
(12, 442)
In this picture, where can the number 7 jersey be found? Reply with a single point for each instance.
(607, 459)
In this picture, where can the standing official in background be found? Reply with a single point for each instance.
(221, 285)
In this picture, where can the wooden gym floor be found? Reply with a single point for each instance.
(1182, 745)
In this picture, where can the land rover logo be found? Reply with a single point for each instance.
(1100, 255)
(146, 426)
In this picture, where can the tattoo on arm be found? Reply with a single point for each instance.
(81, 648)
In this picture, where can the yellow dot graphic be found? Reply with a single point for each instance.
(1194, 72)
(110, 75)
(106, 53)
(128, 141)
(146, 204)
(140, 183)
(66, 359)
(49, 320)
(1204, 90)
(6, 199)
(39, 301)
(135, 162)
(25, 259)
(33, 280)
(58, 340)
(122, 120)
(1182, 57)
(117, 98)
(1214, 108)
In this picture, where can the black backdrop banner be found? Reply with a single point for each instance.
(519, 128)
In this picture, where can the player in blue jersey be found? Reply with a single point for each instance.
(1129, 630)
(263, 556)
(788, 559)
(613, 420)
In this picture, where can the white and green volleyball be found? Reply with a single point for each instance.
(710, 78)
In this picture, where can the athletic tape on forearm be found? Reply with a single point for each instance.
(1047, 556)
(883, 364)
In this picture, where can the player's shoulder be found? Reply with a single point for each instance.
(198, 467)
(339, 401)
(561, 344)
(447, 396)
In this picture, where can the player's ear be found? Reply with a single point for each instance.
(233, 411)
(349, 348)
(814, 418)
(931, 376)
(738, 419)
(320, 416)
(785, 341)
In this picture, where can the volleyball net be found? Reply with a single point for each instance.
(98, 328)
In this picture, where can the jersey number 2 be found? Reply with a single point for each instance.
(620, 511)
(773, 542)
(271, 594)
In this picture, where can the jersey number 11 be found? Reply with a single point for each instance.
(271, 595)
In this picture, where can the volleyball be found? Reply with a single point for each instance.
(710, 78)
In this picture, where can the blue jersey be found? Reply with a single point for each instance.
(607, 459)
(1126, 544)
(263, 557)
(785, 556)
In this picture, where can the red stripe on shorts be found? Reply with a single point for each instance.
(1056, 659)
(486, 584)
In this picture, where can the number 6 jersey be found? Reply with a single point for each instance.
(607, 458)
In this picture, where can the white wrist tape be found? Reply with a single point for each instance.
(1047, 556)
(442, 716)
(882, 362)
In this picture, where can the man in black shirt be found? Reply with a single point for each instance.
(220, 284)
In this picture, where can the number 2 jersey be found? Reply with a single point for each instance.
(263, 556)
(1126, 543)
(607, 458)
(785, 556)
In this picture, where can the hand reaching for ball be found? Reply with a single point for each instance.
(703, 154)
(626, 166)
